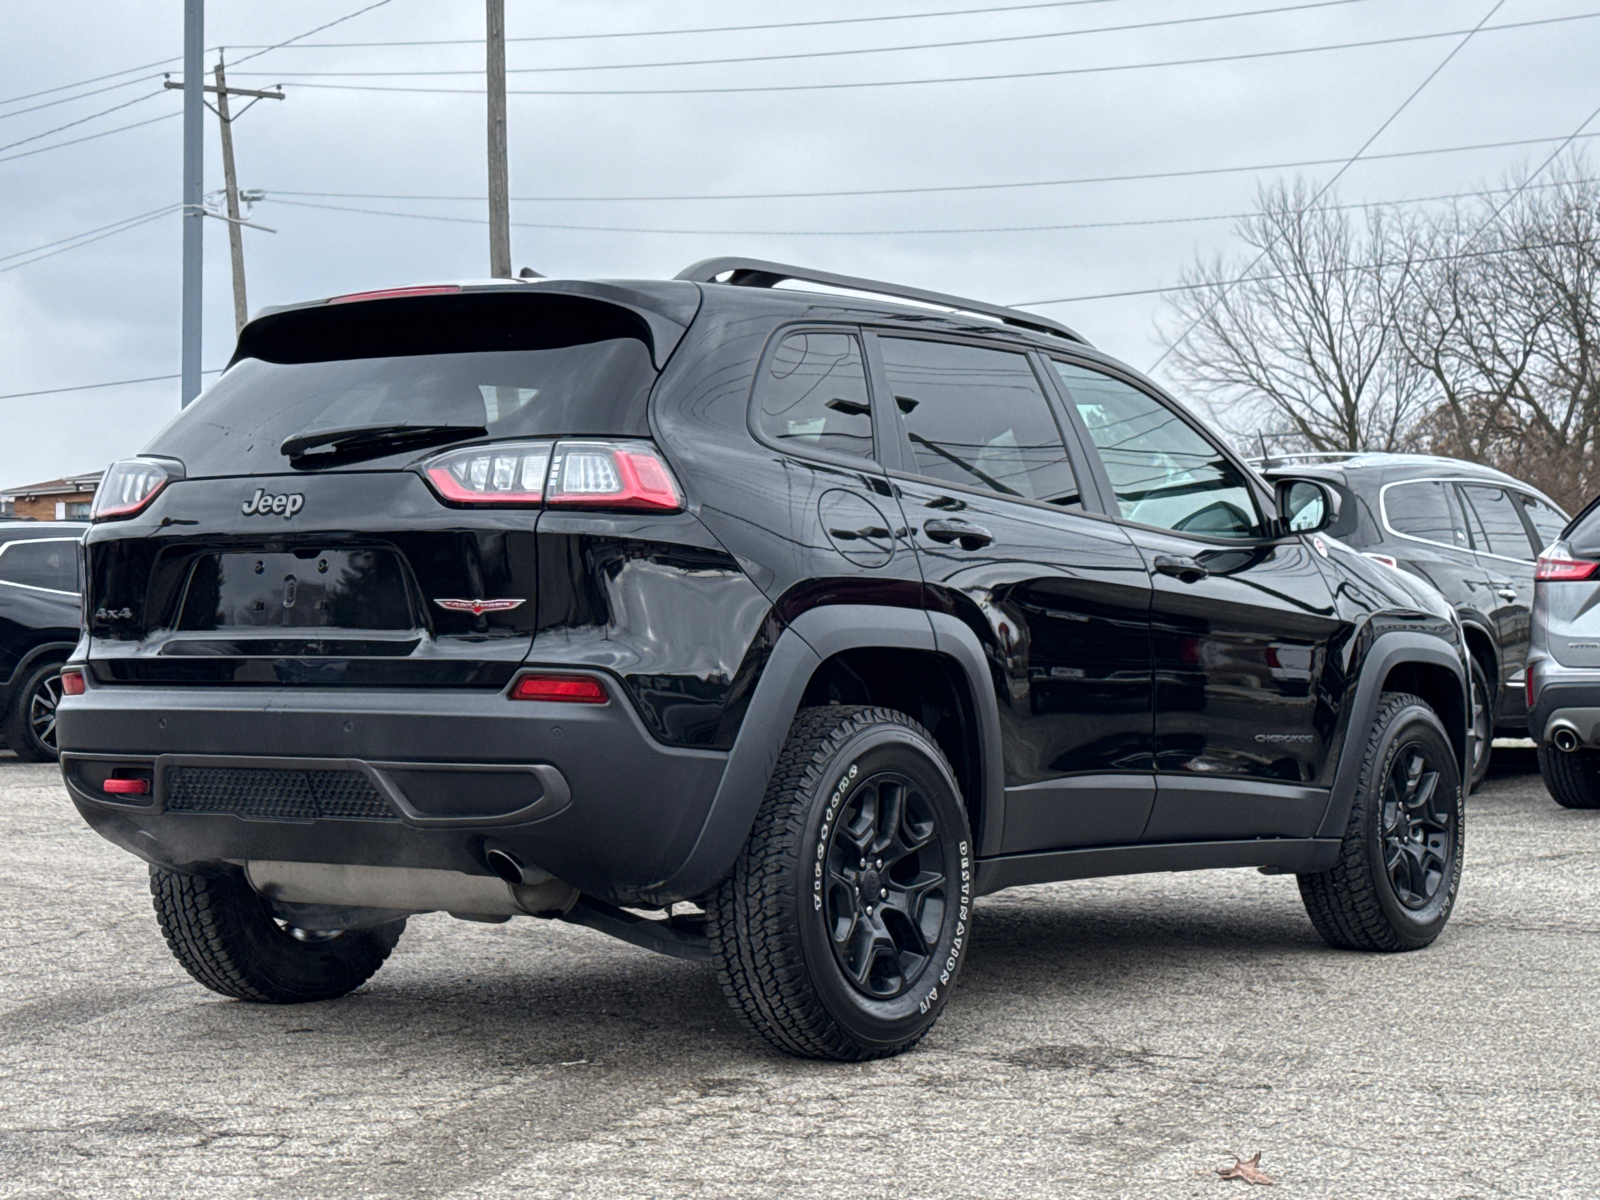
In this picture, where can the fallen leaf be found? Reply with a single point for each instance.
(1247, 1169)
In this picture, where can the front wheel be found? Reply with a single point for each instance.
(843, 926)
(1395, 881)
(30, 723)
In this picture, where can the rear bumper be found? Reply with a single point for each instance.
(394, 778)
(1565, 695)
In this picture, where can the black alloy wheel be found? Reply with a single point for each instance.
(885, 890)
(30, 723)
(1480, 727)
(1417, 822)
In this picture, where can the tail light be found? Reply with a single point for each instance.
(128, 486)
(1557, 563)
(567, 689)
(572, 474)
(443, 289)
(72, 682)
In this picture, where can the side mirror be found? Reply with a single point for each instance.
(1306, 505)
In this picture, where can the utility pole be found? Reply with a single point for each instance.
(241, 309)
(194, 33)
(499, 178)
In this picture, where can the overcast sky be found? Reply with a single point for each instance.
(110, 310)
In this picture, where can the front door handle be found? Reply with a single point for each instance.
(970, 536)
(1181, 567)
(871, 533)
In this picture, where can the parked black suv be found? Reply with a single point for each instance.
(1472, 532)
(796, 619)
(39, 621)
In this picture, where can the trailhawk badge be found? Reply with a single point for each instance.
(478, 607)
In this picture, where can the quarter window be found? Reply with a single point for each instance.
(1164, 473)
(979, 418)
(813, 393)
(1424, 509)
(1502, 527)
(1548, 522)
(49, 563)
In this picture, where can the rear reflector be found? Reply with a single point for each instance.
(72, 682)
(126, 787)
(1557, 563)
(566, 689)
(444, 289)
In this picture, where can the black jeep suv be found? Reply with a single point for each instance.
(753, 624)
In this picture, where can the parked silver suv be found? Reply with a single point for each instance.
(1564, 663)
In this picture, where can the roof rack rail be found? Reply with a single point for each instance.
(755, 272)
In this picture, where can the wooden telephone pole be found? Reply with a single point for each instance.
(499, 177)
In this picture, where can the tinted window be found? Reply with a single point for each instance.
(1548, 522)
(43, 564)
(813, 392)
(978, 417)
(1502, 527)
(1425, 509)
(1164, 473)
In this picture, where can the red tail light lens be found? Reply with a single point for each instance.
(72, 682)
(566, 689)
(1557, 563)
(127, 488)
(506, 473)
(443, 289)
(612, 475)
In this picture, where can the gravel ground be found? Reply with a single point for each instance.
(1120, 1037)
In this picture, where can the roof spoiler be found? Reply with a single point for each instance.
(755, 272)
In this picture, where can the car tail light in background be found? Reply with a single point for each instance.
(502, 473)
(72, 682)
(566, 689)
(1558, 563)
(1385, 559)
(128, 486)
(612, 475)
(591, 473)
(443, 289)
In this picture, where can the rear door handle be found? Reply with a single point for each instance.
(1506, 593)
(970, 536)
(871, 533)
(1181, 567)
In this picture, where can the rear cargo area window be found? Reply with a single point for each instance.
(813, 393)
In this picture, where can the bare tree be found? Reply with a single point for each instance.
(1307, 344)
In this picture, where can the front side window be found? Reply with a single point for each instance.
(1164, 473)
(1502, 527)
(50, 563)
(978, 417)
(1548, 522)
(813, 393)
(1425, 509)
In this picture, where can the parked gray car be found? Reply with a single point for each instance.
(1564, 663)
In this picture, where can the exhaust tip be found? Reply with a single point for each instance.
(506, 865)
(1565, 738)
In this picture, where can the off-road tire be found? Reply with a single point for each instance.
(1485, 751)
(1355, 904)
(225, 936)
(774, 921)
(21, 735)
(1573, 780)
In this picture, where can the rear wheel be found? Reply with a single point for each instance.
(227, 938)
(1395, 881)
(842, 928)
(1481, 726)
(30, 723)
(1573, 779)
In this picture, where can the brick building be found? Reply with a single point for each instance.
(53, 500)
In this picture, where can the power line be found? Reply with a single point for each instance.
(123, 227)
(89, 137)
(86, 387)
(63, 87)
(80, 96)
(114, 108)
(125, 220)
(957, 187)
(761, 58)
(1146, 222)
(886, 83)
(1390, 120)
(309, 32)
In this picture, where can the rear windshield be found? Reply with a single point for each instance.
(557, 365)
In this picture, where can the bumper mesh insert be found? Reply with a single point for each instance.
(275, 793)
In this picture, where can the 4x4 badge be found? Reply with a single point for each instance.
(477, 607)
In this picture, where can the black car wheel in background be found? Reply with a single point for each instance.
(39, 619)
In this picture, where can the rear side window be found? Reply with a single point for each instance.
(49, 563)
(1425, 509)
(978, 417)
(813, 393)
(1548, 522)
(1497, 516)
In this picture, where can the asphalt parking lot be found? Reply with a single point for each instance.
(1112, 1038)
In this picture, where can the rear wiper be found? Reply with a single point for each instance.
(360, 438)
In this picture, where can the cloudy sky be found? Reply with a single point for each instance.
(1075, 94)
